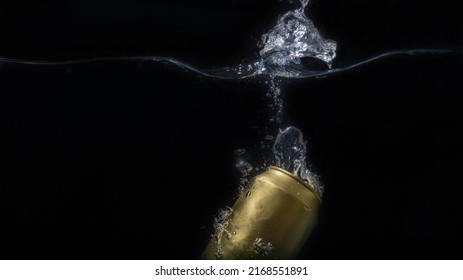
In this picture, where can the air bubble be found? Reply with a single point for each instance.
(243, 167)
(239, 152)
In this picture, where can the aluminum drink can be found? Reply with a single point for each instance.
(271, 219)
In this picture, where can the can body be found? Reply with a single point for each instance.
(271, 219)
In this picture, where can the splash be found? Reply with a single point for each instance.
(290, 151)
(293, 37)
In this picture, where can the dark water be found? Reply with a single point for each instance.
(131, 159)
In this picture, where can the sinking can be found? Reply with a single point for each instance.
(271, 219)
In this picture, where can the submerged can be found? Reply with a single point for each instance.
(272, 219)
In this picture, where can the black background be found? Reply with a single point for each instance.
(131, 160)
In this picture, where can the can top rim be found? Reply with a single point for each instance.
(305, 183)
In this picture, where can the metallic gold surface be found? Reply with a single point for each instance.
(272, 219)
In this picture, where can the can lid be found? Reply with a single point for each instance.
(305, 183)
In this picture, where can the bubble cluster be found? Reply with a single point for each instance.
(260, 247)
(292, 38)
(290, 151)
(221, 222)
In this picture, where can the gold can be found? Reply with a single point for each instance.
(271, 219)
